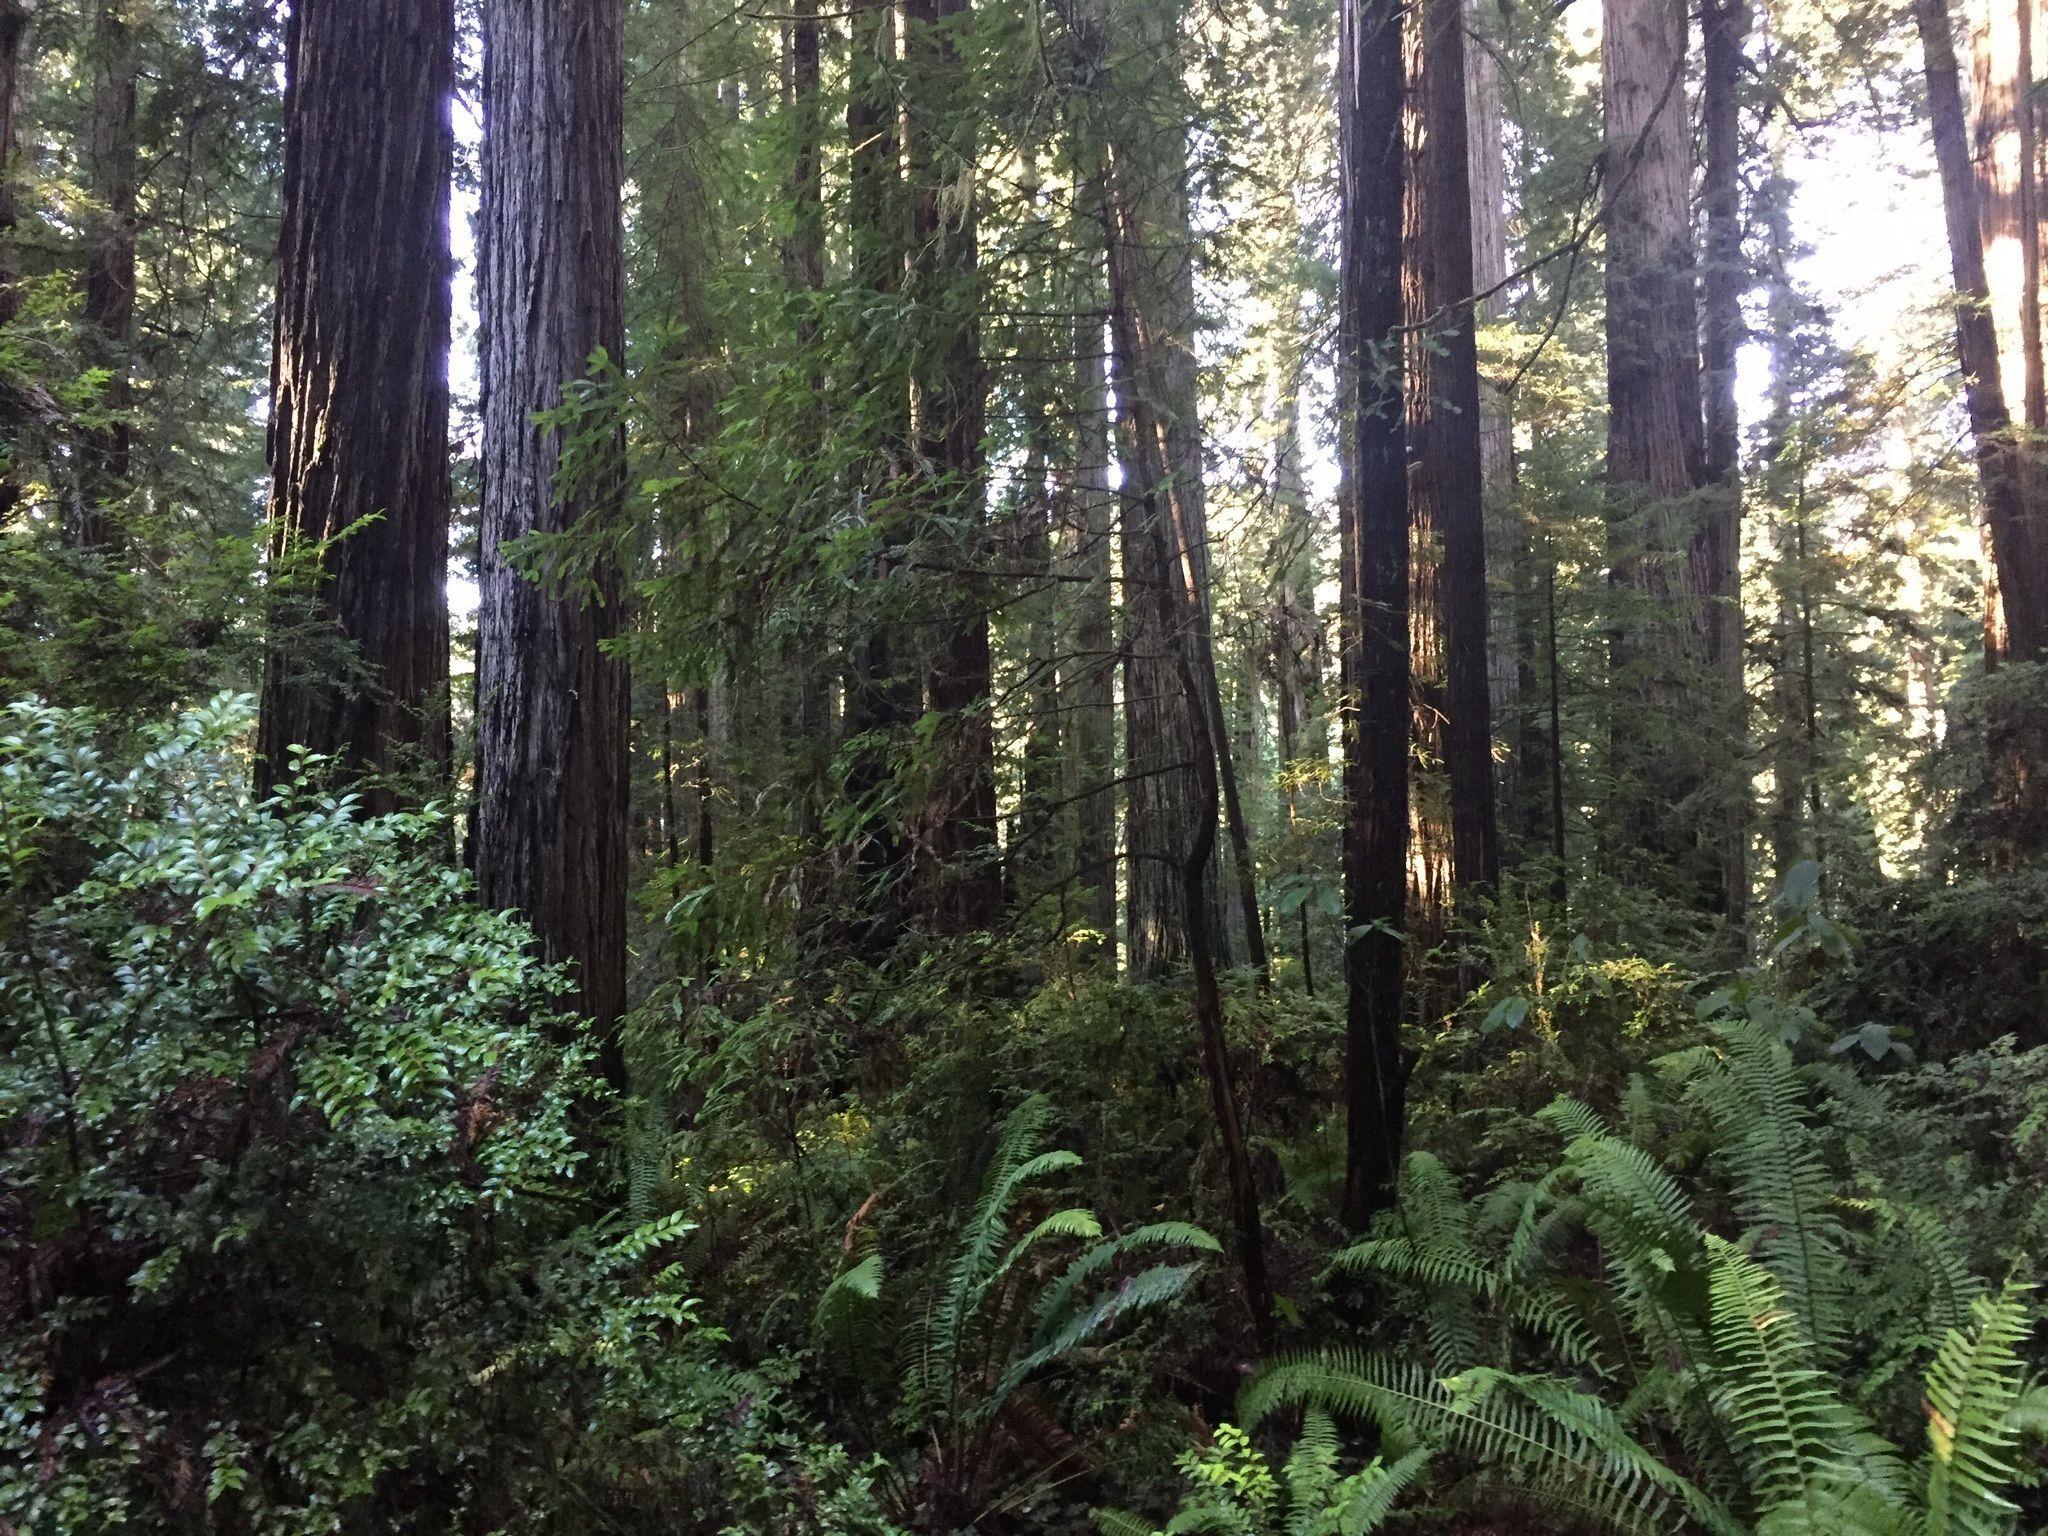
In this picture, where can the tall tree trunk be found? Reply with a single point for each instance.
(1506, 539)
(1145, 205)
(1429, 802)
(552, 758)
(109, 312)
(1294, 644)
(2009, 213)
(803, 261)
(1160, 809)
(1661, 547)
(1088, 686)
(14, 16)
(1793, 759)
(359, 424)
(1454, 445)
(1373, 533)
(880, 690)
(2019, 547)
(950, 411)
(1725, 27)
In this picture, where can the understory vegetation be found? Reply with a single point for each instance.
(320, 1221)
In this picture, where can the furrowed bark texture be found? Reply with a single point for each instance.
(1725, 28)
(359, 426)
(1664, 560)
(2019, 543)
(1373, 535)
(1144, 206)
(966, 889)
(551, 706)
(1455, 448)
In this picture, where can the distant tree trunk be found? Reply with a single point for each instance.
(803, 261)
(881, 693)
(552, 752)
(109, 314)
(1725, 28)
(1794, 836)
(1035, 849)
(1373, 532)
(1455, 448)
(1088, 686)
(2019, 549)
(1148, 313)
(1294, 644)
(1663, 553)
(950, 412)
(1429, 800)
(359, 424)
(1506, 540)
(13, 44)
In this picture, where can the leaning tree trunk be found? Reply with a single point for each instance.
(2019, 549)
(1668, 573)
(1373, 535)
(2009, 212)
(551, 704)
(359, 426)
(2013, 522)
(109, 311)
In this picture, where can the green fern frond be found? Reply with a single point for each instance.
(1574, 1120)
(1952, 1290)
(1058, 1338)
(1117, 1522)
(1372, 1494)
(1544, 1315)
(1799, 1441)
(1532, 1428)
(1977, 1381)
(1311, 1469)
(1785, 1193)
(1058, 1298)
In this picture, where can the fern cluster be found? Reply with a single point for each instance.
(996, 1314)
(1653, 1356)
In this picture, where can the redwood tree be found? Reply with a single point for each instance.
(1669, 572)
(109, 310)
(551, 828)
(359, 374)
(2018, 543)
(1373, 538)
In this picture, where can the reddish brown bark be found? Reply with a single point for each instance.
(551, 834)
(2019, 545)
(359, 423)
(1373, 533)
